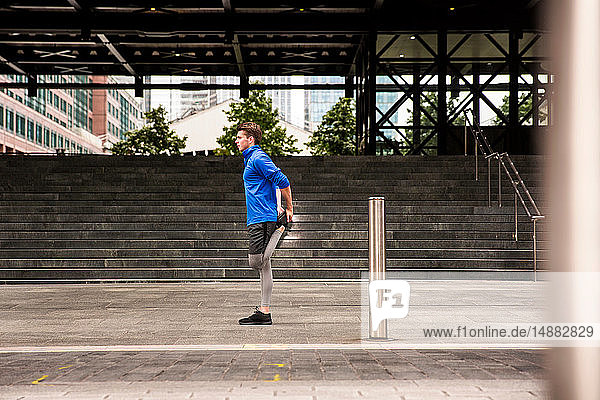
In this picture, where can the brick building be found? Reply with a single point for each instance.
(77, 121)
(54, 119)
(114, 112)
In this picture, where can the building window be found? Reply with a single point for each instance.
(39, 139)
(1, 117)
(47, 137)
(79, 150)
(56, 101)
(53, 139)
(67, 144)
(20, 125)
(30, 130)
(60, 141)
(10, 120)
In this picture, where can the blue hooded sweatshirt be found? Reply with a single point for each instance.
(261, 178)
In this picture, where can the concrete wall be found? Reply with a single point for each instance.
(204, 127)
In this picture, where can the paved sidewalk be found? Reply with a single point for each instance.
(307, 374)
(207, 313)
(157, 341)
(308, 390)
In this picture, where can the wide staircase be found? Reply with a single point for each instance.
(109, 218)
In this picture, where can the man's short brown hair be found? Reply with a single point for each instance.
(251, 129)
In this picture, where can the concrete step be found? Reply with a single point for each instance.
(165, 162)
(351, 192)
(427, 199)
(28, 275)
(241, 252)
(305, 207)
(183, 218)
(243, 235)
(299, 219)
(241, 226)
(424, 206)
(278, 263)
(286, 243)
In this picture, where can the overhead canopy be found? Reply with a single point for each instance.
(240, 37)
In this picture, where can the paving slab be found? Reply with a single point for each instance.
(183, 341)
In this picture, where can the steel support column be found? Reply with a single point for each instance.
(349, 90)
(244, 87)
(416, 105)
(139, 86)
(513, 84)
(32, 86)
(535, 100)
(360, 102)
(442, 106)
(476, 90)
(371, 95)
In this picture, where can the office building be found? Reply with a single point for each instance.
(318, 102)
(55, 119)
(115, 112)
(177, 102)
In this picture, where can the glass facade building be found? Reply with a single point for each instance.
(115, 112)
(318, 102)
(55, 119)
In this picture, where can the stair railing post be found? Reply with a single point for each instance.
(499, 182)
(377, 258)
(489, 182)
(466, 139)
(476, 162)
(516, 220)
(534, 252)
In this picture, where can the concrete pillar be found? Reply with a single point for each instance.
(575, 191)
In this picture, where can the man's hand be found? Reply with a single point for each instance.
(287, 195)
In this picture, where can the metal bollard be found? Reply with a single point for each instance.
(377, 256)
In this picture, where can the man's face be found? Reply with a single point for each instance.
(243, 141)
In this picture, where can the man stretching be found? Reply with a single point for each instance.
(261, 181)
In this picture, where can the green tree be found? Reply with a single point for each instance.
(526, 104)
(429, 106)
(258, 108)
(155, 137)
(336, 133)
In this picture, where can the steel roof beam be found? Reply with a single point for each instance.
(76, 5)
(116, 53)
(291, 23)
(229, 11)
(13, 65)
(378, 5)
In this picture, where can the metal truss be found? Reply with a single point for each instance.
(233, 37)
(437, 133)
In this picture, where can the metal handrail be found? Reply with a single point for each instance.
(482, 142)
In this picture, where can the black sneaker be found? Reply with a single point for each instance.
(258, 318)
